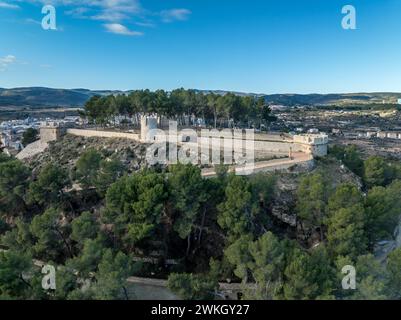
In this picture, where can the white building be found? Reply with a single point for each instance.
(315, 144)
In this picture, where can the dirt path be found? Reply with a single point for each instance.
(264, 166)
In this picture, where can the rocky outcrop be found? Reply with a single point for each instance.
(384, 248)
(69, 148)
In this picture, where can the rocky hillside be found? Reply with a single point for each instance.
(68, 149)
(284, 203)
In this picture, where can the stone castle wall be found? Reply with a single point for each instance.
(103, 134)
(260, 147)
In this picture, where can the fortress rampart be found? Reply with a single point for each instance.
(295, 150)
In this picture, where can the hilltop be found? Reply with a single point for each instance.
(41, 97)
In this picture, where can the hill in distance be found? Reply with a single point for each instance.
(41, 97)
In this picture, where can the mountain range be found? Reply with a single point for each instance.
(41, 97)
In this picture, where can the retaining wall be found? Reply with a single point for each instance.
(32, 149)
(103, 134)
(258, 146)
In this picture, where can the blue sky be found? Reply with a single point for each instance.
(264, 46)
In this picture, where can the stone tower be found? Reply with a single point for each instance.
(50, 132)
(147, 123)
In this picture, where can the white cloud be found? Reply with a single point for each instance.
(115, 14)
(175, 14)
(79, 12)
(6, 5)
(46, 66)
(110, 10)
(110, 15)
(7, 61)
(33, 21)
(118, 28)
(145, 24)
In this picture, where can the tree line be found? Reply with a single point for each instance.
(215, 110)
(216, 229)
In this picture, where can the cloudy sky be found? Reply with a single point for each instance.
(269, 46)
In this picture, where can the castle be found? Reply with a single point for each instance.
(262, 143)
(282, 151)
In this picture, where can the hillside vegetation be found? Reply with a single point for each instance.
(90, 214)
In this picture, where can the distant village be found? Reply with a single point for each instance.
(11, 131)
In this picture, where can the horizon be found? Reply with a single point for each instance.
(256, 47)
(208, 90)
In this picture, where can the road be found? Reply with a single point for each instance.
(264, 166)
